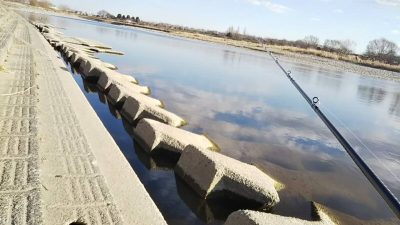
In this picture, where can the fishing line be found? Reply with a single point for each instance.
(19, 92)
(375, 181)
(360, 141)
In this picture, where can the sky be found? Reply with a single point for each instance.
(358, 20)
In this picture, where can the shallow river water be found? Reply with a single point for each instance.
(243, 102)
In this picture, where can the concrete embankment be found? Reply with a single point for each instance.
(209, 173)
(58, 163)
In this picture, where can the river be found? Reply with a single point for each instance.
(244, 103)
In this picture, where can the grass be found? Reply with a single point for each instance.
(287, 49)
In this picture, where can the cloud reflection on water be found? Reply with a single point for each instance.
(294, 147)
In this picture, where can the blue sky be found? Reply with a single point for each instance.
(358, 20)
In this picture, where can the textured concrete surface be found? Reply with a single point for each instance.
(118, 94)
(134, 109)
(249, 217)
(154, 135)
(108, 77)
(211, 174)
(58, 164)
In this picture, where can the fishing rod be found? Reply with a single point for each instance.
(379, 186)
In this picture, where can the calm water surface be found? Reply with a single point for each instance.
(241, 100)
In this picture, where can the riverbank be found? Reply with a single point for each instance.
(348, 63)
(58, 163)
(312, 57)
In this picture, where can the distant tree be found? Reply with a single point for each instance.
(137, 19)
(232, 32)
(339, 46)
(33, 2)
(382, 49)
(64, 8)
(311, 41)
(331, 45)
(119, 16)
(347, 46)
(123, 17)
(43, 3)
(20, 1)
(103, 13)
(128, 17)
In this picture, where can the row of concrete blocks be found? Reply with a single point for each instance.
(209, 173)
(122, 90)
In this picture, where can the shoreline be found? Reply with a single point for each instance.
(60, 165)
(311, 57)
(363, 66)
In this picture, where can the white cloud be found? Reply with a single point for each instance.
(395, 31)
(274, 7)
(339, 11)
(315, 19)
(389, 2)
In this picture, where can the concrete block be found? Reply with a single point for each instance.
(126, 88)
(89, 66)
(59, 46)
(135, 109)
(109, 66)
(154, 135)
(212, 174)
(82, 60)
(97, 71)
(64, 48)
(108, 77)
(68, 54)
(73, 58)
(165, 162)
(118, 94)
(249, 217)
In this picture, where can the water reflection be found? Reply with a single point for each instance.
(209, 210)
(394, 108)
(239, 99)
(214, 211)
(371, 94)
(157, 161)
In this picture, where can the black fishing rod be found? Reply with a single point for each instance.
(379, 186)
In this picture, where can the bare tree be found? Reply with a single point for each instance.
(340, 46)
(311, 41)
(347, 46)
(232, 33)
(33, 2)
(64, 8)
(103, 13)
(382, 49)
(331, 45)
